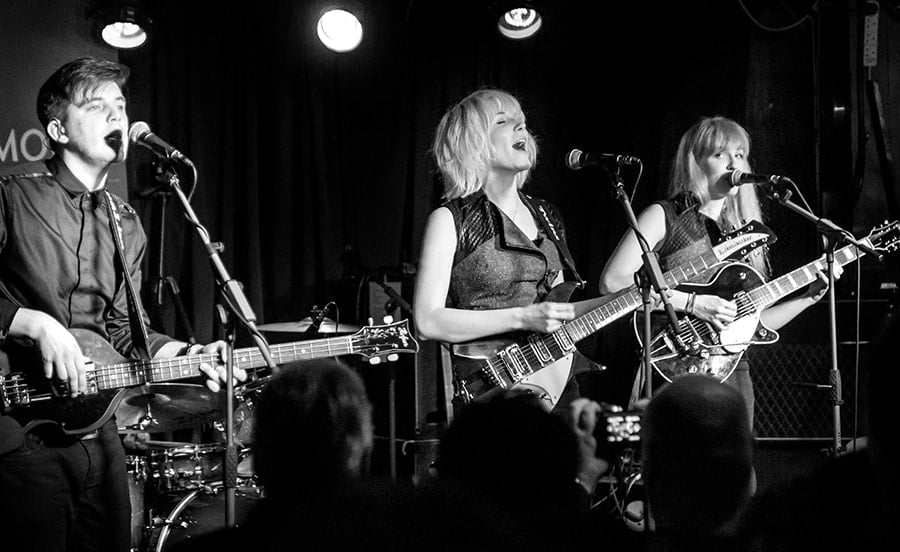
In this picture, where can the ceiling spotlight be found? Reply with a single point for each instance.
(519, 22)
(123, 24)
(339, 29)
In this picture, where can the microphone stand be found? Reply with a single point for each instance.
(650, 277)
(392, 381)
(232, 296)
(832, 235)
(164, 281)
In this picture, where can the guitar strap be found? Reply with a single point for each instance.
(139, 338)
(556, 236)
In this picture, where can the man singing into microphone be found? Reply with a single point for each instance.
(702, 204)
(58, 270)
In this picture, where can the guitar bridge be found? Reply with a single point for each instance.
(490, 373)
(462, 392)
(14, 391)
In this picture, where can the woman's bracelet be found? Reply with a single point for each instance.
(689, 306)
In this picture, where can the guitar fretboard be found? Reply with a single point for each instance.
(782, 286)
(627, 302)
(127, 374)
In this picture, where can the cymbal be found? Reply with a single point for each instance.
(328, 326)
(163, 407)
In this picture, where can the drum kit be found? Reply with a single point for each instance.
(176, 488)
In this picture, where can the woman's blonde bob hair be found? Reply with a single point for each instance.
(462, 142)
(706, 137)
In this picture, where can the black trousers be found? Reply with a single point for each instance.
(65, 496)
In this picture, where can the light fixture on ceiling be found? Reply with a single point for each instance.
(122, 24)
(519, 20)
(339, 26)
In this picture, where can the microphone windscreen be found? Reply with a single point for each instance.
(573, 160)
(137, 130)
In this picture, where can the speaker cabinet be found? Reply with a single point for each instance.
(793, 391)
(791, 377)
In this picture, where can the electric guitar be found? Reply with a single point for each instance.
(541, 362)
(33, 400)
(699, 348)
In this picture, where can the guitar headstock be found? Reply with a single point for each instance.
(378, 343)
(738, 243)
(885, 238)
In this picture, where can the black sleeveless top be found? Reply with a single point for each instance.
(495, 264)
(689, 234)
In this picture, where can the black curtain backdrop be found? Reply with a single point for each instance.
(315, 165)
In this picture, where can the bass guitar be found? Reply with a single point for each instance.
(541, 362)
(32, 399)
(699, 348)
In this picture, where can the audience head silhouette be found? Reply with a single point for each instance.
(313, 429)
(884, 439)
(517, 455)
(697, 456)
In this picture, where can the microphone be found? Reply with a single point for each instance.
(576, 159)
(139, 133)
(739, 178)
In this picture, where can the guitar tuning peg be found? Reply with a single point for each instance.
(393, 357)
(371, 321)
(375, 360)
(388, 319)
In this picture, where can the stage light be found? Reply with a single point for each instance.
(122, 24)
(520, 21)
(339, 27)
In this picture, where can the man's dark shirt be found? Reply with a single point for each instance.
(57, 255)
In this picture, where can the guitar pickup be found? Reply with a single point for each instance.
(540, 349)
(515, 364)
(563, 340)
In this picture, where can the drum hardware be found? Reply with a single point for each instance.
(176, 488)
(621, 491)
(196, 513)
(246, 398)
(187, 473)
(328, 326)
(167, 407)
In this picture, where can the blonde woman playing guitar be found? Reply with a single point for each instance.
(491, 254)
(700, 205)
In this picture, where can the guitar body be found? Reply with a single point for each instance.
(74, 416)
(702, 350)
(471, 359)
(477, 376)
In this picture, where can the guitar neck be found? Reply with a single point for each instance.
(131, 373)
(783, 286)
(628, 301)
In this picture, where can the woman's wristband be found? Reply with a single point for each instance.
(689, 305)
(186, 350)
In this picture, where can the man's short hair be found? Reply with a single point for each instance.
(74, 82)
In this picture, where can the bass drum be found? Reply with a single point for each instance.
(200, 512)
